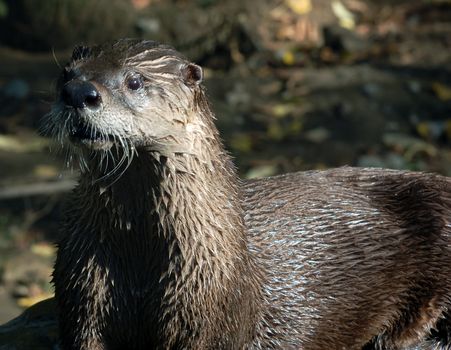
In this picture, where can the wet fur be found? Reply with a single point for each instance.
(165, 248)
(353, 254)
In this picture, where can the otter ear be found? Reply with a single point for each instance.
(192, 73)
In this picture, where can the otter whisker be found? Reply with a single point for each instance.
(55, 59)
(102, 160)
(83, 163)
(64, 129)
(128, 154)
(68, 157)
(104, 154)
(109, 155)
(93, 131)
(121, 161)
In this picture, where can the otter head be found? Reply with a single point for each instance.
(129, 94)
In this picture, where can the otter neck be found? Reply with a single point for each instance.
(193, 200)
(187, 212)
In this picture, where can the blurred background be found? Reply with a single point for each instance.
(295, 84)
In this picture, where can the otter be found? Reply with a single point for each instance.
(164, 247)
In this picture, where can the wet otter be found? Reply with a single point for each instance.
(164, 247)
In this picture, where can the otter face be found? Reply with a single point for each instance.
(130, 94)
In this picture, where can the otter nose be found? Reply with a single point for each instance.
(81, 94)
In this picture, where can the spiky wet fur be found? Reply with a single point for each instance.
(164, 247)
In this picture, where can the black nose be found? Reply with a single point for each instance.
(81, 94)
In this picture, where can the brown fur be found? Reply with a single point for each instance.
(169, 250)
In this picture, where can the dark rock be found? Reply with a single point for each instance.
(342, 40)
(35, 328)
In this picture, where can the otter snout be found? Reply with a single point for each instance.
(82, 101)
(81, 95)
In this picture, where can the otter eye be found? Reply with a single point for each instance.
(135, 83)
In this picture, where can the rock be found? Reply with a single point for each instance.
(17, 89)
(36, 328)
(342, 40)
(317, 135)
(372, 90)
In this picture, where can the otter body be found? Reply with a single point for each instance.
(353, 257)
(164, 247)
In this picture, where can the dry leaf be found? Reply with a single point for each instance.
(43, 249)
(345, 17)
(301, 7)
(261, 171)
(22, 144)
(140, 4)
(45, 171)
(275, 131)
(288, 58)
(241, 142)
(423, 130)
(281, 110)
(29, 301)
(442, 91)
